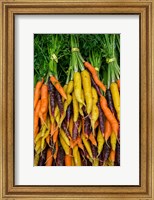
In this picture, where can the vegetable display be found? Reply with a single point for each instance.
(77, 100)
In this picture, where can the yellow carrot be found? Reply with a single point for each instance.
(63, 135)
(113, 140)
(78, 87)
(86, 81)
(76, 155)
(116, 98)
(100, 141)
(70, 87)
(64, 145)
(75, 108)
(87, 145)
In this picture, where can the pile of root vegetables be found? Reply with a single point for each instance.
(77, 115)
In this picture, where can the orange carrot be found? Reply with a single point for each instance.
(68, 159)
(36, 118)
(58, 86)
(118, 83)
(94, 75)
(79, 142)
(110, 117)
(48, 139)
(37, 92)
(92, 139)
(56, 152)
(53, 128)
(55, 135)
(49, 158)
(112, 156)
(108, 130)
(73, 143)
(44, 98)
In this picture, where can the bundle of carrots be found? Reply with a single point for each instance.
(78, 124)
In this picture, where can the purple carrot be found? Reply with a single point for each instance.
(64, 127)
(60, 157)
(101, 119)
(42, 158)
(94, 150)
(100, 157)
(59, 102)
(51, 89)
(52, 145)
(68, 114)
(110, 101)
(106, 150)
(117, 160)
(75, 129)
(95, 86)
(87, 125)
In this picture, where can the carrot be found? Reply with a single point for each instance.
(37, 92)
(68, 114)
(70, 87)
(36, 159)
(49, 157)
(66, 104)
(109, 115)
(75, 108)
(106, 152)
(60, 157)
(92, 139)
(79, 142)
(36, 118)
(112, 156)
(86, 82)
(70, 127)
(62, 133)
(108, 130)
(55, 135)
(117, 154)
(48, 139)
(42, 158)
(58, 86)
(52, 101)
(118, 83)
(87, 145)
(101, 119)
(68, 158)
(113, 140)
(116, 98)
(96, 162)
(44, 99)
(59, 102)
(53, 128)
(100, 141)
(64, 145)
(81, 105)
(110, 101)
(75, 129)
(56, 151)
(64, 127)
(94, 75)
(78, 87)
(94, 116)
(76, 155)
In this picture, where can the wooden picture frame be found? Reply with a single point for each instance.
(145, 10)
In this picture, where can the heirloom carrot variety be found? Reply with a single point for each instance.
(116, 98)
(37, 92)
(86, 81)
(76, 100)
(109, 115)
